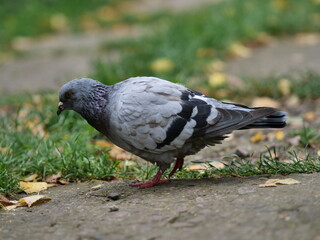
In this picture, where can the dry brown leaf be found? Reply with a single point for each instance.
(53, 178)
(34, 200)
(5, 201)
(31, 178)
(275, 182)
(259, 136)
(32, 187)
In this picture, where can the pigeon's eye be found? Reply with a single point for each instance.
(68, 94)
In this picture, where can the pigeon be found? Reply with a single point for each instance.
(160, 121)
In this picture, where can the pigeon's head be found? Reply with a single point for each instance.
(73, 94)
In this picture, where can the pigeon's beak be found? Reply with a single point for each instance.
(60, 108)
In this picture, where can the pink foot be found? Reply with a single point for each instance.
(177, 166)
(155, 180)
(149, 183)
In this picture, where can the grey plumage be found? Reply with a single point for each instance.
(159, 120)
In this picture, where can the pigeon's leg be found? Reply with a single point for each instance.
(155, 180)
(177, 166)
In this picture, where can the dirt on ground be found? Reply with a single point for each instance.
(212, 208)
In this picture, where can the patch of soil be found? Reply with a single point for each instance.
(224, 208)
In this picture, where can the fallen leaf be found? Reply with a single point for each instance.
(162, 65)
(5, 202)
(97, 186)
(293, 101)
(275, 182)
(218, 165)
(11, 207)
(53, 178)
(31, 178)
(239, 50)
(259, 136)
(34, 200)
(59, 22)
(217, 79)
(236, 175)
(63, 182)
(264, 102)
(32, 187)
(284, 86)
(216, 65)
(309, 116)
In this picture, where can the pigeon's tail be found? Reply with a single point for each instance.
(275, 120)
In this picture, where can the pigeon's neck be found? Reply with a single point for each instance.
(95, 104)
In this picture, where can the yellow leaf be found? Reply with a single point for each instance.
(59, 22)
(216, 65)
(259, 136)
(162, 65)
(275, 182)
(217, 79)
(279, 135)
(284, 86)
(309, 116)
(34, 200)
(239, 50)
(32, 187)
(31, 178)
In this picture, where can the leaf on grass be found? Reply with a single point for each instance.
(53, 178)
(259, 136)
(284, 86)
(275, 182)
(34, 200)
(217, 79)
(32, 187)
(31, 178)
(162, 65)
(115, 152)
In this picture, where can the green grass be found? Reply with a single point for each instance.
(212, 30)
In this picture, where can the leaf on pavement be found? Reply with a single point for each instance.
(5, 201)
(276, 182)
(34, 200)
(32, 187)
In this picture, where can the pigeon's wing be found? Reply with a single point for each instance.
(157, 115)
